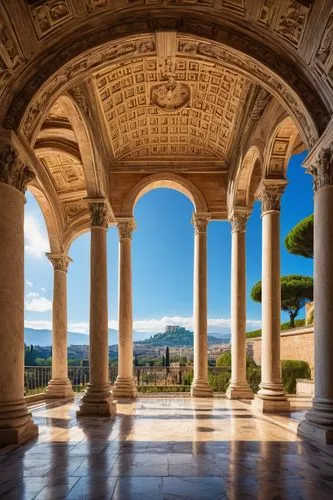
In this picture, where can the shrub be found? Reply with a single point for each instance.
(220, 382)
(253, 374)
(224, 359)
(291, 370)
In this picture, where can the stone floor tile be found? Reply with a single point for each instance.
(138, 488)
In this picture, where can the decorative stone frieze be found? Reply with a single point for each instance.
(60, 261)
(238, 221)
(322, 169)
(270, 193)
(126, 228)
(98, 213)
(13, 171)
(200, 222)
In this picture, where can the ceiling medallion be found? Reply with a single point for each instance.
(170, 95)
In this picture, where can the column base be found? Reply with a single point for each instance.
(239, 391)
(124, 387)
(271, 399)
(98, 402)
(318, 422)
(59, 388)
(201, 389)
(16, 424)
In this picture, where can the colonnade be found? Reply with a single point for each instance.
(16, 424)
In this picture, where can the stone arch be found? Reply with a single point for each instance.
(258, 63)
(279, 149)
(78, 227)
(52, 224)
(164, 180)
(248, 179)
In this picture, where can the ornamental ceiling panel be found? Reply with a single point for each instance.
(67, 174)
(181, 107)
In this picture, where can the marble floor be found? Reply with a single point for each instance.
(164, 448)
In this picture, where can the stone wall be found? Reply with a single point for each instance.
(295, 344)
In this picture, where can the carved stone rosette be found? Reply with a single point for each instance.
(59, 261)
(13, 171)
(239, 221)
(126, 228)
(270, 193)
(200, 222)
(322, 169)
(98, 213)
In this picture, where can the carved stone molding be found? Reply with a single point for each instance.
(238, 221)
(33, 98)
(59, 261)
(322, 169)
(126, 228)
(200, 222)
(98, 213)
(270, 193)
(13, 171)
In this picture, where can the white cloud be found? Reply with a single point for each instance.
(38, 324)
(29, 283)
(36, 240)
(43, 289)
(81, 327)
(34, 302)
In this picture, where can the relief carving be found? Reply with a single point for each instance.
(270, 195)
(322, 169)
(50, 14)
(238, 221)
(292, 21)
(13, 171)
(200, 222)
(60, 262)
(172, 95)
(98, 214)
(326, 46)
(126, 228)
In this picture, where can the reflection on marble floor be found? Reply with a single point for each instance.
(173, 448)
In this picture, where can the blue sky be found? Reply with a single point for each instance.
(162, 262)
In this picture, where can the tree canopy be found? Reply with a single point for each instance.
(299, 241)
(296, 291)
(224, 359)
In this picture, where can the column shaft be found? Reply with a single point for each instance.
(271, 396)
(98, 398)
(60, 385)
(200, 387)
(318, 423)
(125, 385)
(16, 425)
(238, 387)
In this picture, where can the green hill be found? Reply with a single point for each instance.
(178, 339)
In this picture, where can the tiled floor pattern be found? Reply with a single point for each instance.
(173, 448)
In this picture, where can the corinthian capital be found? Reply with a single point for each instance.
(322, 168)
(13, 171)
(98, 213)
(238, 220)
(270, 192)
(59, 261)
(200, 222)
(126, 227)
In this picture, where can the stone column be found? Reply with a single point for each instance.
(125, 386)
(16, 425)
(98, 399)
(318, 423)
(60, 385)
(271, 396)
(238, 387)
(200, 387)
